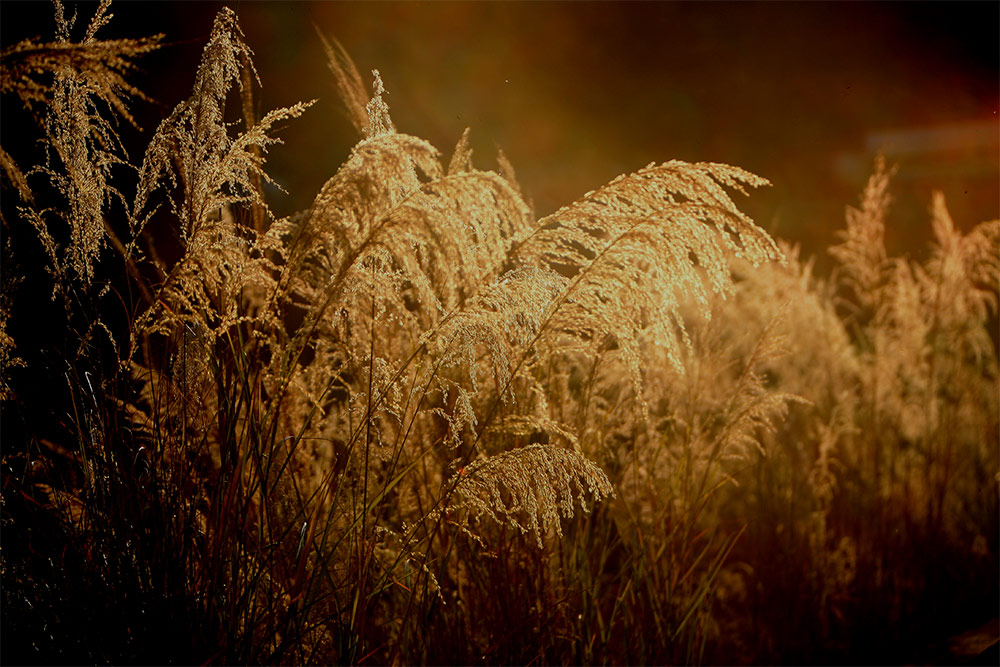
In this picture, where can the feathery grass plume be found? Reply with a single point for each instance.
(962, 278)
(394, 238)
(898, 360)
(350, 87)
(391, 195)
(384, 245)
(862, 255)
(534, 425)
(461, 157)
(379, 121)
(502, 318)
(15, 176)
(635, 248)
(529, 487)
(193, 153)
(82, 145)
(507, 171)
(100, 65)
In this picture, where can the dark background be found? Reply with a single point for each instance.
(576, 93)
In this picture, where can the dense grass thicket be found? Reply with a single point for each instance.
(415, 423)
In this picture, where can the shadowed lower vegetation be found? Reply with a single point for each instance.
(414, 423)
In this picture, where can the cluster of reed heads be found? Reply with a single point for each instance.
(414, 423)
